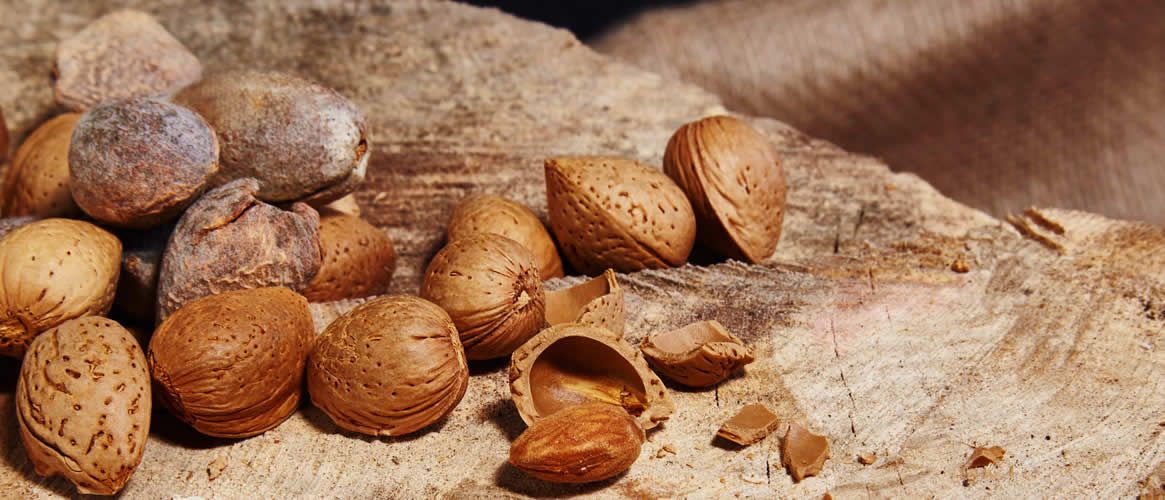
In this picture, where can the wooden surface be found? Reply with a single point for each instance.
(1050, 344)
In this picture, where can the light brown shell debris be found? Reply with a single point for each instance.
(803, 452)
(699, 355)
(751, 424)
(984, 456)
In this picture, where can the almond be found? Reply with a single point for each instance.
(579, 444)
(358, 260)
(610, 212)
(83, 404)
(733, 176)
(37, 181)
(500, 215)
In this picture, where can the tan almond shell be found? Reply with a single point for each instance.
(388, 367)
(231, 365)
(592, 357)
(500, 215)
(610, 212)
(54, 270)
(358, 260)
(125, 53)
(490, 286)
(37, 181)
(83, 404)
(733, 176)
(698, 355)
(803, 452)
(597, 302)
(580, 444)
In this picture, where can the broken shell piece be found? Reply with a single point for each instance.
(866, 458)
(803, 452)
(571, 363)
(750, 425)
(597, 302)
(699, 355)
(983, 456)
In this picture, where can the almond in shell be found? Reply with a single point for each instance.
(500, 215)
(37, 181)
(358, 260)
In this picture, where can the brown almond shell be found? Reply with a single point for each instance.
(490, 286)
(733, 176)
(501, 215)
(597, 302)
(54, 270)
(617, 213)
(83, 404)
(698, 355)
(358, 260)
(37, 181)
(580, 444)
(231, 365)
(803, 452)
(388, 367)
(571, 363)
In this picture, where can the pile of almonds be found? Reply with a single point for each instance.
(210, 209)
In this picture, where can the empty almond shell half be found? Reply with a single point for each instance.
(570, 364)
(597, 302)
(698, 355)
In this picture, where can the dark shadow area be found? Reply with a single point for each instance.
(504, 415)
(488, 366)
(585, 19)
(513, 479)
(323, 423)
(166, 427)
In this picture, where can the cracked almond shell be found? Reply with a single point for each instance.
(231, 365)
(388, 367)
(53, 270)
(570, 364)
(500, 215)
(610, 212)
(597, 302)
(302, 140)
(37, 181)
(698, 355)
(83, 404)
(733, 176)
(490, 286)
(358, 260)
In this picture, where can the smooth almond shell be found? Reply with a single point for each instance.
(580, 444)
(37, 181)
(54, 270)
(597, 302)
(616, 213)
(232, 364)
(500, 215)
(733, 176)
(390, 366)
(83, 404)
(570, 364)
(358, 260)
(490, 286)
(698, 355)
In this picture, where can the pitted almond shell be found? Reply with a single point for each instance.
(83, 404)
(570, 364)
(733, 176)
(231, 364)
(358, 260)
(490, 286)
(501, 215)
(610, 212)
(698, 355)
(597, 302)
(391, 366)
(54, 270)
(37, 181)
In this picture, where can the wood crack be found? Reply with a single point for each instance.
(852, 402)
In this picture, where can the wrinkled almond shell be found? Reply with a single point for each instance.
(597, 302)
(698, 355)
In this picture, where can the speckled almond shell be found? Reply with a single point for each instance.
(388, 367)
(610, 212)
(140, 162)
(83, 404)
(229, 240)
(594, 352)
(597, 302)
(51, 271)
(125, 53)
(231, 365)
(500, 215)
(733, 176)
(302, 140)
(358, 260)
(697, 355)
(37, 181)
(490, 286)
